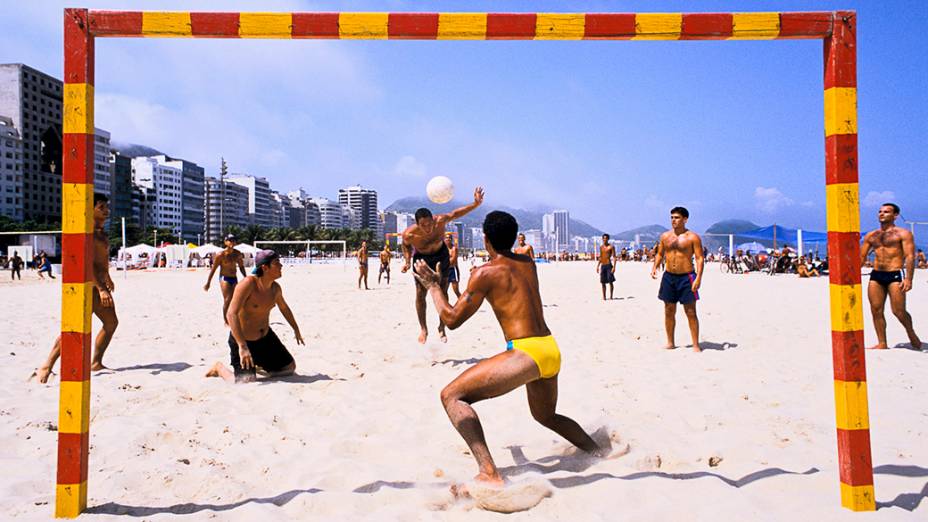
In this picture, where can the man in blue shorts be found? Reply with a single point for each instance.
(680, 283)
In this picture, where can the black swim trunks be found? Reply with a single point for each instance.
(678, 288)
(443, 256)
(267, 352)
(605, 274)
(886, 278)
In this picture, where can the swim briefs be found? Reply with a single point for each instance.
(885, 278)
(542, 350)
(678, 288)
(232, 280)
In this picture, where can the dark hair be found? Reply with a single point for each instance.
(680, 210)
(896, 208)
(606, 236)
(500, 230)
(98, 197)
(423, 213)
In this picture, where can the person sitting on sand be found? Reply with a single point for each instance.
(252, 343)
(510, 283)
(804, 270)
(226, 262)
(103, 306)
(426, 239)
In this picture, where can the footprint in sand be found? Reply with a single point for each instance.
(513, 497)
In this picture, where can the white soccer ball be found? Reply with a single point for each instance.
(440, 189)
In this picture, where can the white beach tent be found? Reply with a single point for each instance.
(249, 252)
(133, 255)
(196, 256)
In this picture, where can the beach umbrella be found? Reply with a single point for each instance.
(752, 248)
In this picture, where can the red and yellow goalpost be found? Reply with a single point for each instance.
(836, 29)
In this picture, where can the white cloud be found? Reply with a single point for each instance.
(875, 199)
(770, 199)
(410, 167)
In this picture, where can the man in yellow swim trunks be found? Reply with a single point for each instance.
(510, 283)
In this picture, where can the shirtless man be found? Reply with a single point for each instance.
(252, 343)
(385, 257)
(226, 261)
(103, 306)
(362, 265)
(426, 237)
(524, 248)
(510, 283)
(605, 265)
(920, 260)
(454, 275)
(680, 283)
(893, 270)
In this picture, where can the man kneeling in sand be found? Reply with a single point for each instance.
(252, 343)
(510, 283)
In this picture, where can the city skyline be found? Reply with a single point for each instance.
(635, 127)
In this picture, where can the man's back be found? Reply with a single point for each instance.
(511, 286)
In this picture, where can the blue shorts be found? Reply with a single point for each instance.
(605, 274)
(453, 276)
(678, 288)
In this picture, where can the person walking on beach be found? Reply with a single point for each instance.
(226, 261)
(103, 306)
(680, 284)
(252, 343)
(385, 257)
(893, 270)
(16, 264)
(454, 275)
(424, 240)
(605, 265)
(362, 265)
(45, 265)
(523, 248)
(509, 282)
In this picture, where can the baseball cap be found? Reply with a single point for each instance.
(231, 237)
(264, 257)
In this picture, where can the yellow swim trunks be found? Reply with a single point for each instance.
(543, 350)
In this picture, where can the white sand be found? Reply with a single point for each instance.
(360, 434)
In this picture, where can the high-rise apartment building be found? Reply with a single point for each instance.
(259, 198)
(220, 214)
(102, 170)
(363, 207)
(32, 100)
(562, 228)
(535, 238)
(162, 183)
(121, 200)
(280, 210)
(11, 170)
(193, 199)
(330, 213)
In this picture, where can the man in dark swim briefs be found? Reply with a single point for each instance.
(509, 282)
(680, 283)
(226, 261)
(454, 275)
(362, 265)
(425, 241)
(252, 343)
(893, 270)
(385, 257)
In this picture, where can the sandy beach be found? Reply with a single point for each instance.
(744, 430)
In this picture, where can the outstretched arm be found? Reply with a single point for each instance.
(288, 315)
(463, 211)
(464, 307)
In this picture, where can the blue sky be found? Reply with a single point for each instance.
(617, 132)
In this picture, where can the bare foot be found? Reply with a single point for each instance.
(214, 371)
(696, 348)
(670, 347)
(96, 366)
(878, 347)
(423, 335)
(442, 336)
(41, 374)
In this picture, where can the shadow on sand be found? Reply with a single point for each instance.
(717, 346)
(908, 346)
(906, 501)
(299, 379)
(112, 508)
(156, 368)
(457, 362)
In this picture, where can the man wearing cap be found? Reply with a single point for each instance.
(252, 343)
(226, 261)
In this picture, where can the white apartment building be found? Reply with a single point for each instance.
(259, 198)
(11, 170)
(163, 179)
(331, 214)
(363, 205)
(102, 168)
